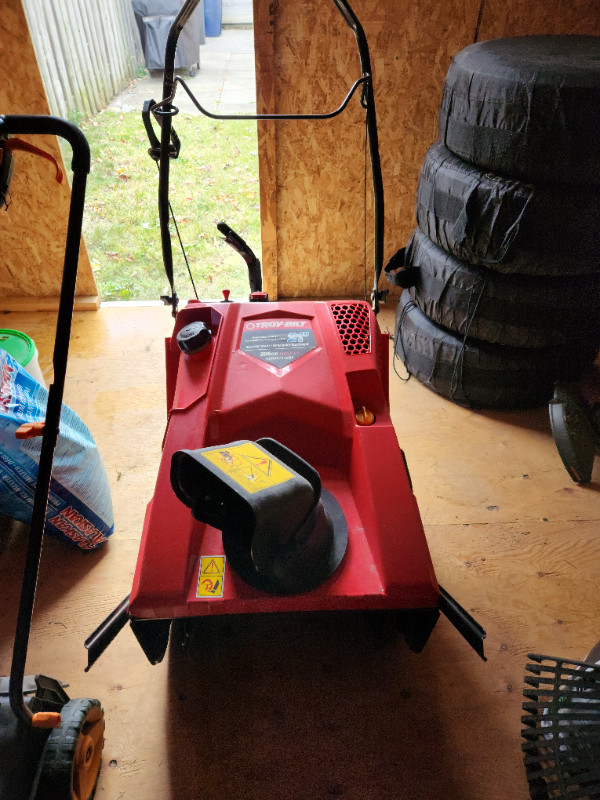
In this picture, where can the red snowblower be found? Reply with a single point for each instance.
(282, 487)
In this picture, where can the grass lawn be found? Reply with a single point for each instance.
(215, 178)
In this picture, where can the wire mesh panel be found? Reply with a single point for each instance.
(561, 744)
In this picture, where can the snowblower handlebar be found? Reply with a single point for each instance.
(154, 149)
(166, 110)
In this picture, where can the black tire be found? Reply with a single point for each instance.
(527, 107)
(515, 310)
(71, 761)
(477, 374)
(505, 224)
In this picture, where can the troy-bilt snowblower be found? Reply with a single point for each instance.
(282, 487)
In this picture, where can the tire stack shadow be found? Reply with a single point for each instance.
(502, 274)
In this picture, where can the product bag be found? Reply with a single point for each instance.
(79, 503)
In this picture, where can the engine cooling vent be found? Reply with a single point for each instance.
(352, 320)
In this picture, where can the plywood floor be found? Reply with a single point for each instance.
(316, 708)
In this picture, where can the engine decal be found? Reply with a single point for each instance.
(278, 341)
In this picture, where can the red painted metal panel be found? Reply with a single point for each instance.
(307, 399)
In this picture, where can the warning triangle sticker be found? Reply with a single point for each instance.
(211, 569)
(262, 463)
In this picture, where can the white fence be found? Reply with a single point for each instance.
(237, 12)
(88, 51)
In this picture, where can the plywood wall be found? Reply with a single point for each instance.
(33, 229)
(312, 174)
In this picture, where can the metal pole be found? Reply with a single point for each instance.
(81, 167)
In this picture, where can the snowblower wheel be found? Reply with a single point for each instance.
(73, 753)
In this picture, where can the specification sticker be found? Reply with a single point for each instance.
(211, 576)
(278, 341)
(249, 466)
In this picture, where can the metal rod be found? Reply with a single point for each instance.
(329, 115)
(163, 165)
(98, 641)
(347, 14)
(185, 13)
(469, 628)
(163, 208)
(369, 103)
(80, 166)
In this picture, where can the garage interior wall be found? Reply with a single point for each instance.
(34, 227)
(313, 173)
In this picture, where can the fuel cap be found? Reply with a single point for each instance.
(193, 338)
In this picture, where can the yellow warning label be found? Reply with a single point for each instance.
(211, 576)
(249, 466)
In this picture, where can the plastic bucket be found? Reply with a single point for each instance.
(22, 348)
(213, 13)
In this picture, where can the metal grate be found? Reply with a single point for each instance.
(562, 738)
(352, 320)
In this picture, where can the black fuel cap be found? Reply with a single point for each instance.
(193, 338)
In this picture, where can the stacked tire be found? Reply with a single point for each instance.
(503, 270)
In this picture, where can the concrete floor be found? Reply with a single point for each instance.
(224, 84)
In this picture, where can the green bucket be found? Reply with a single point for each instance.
(22, 348)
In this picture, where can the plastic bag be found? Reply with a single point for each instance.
(79, 503)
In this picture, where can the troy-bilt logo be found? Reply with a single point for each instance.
(277, 324)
